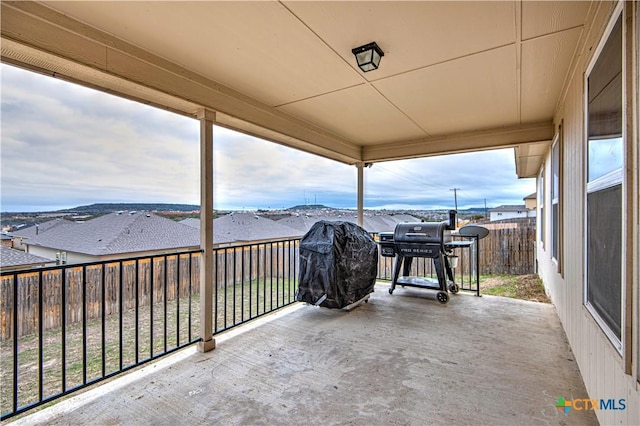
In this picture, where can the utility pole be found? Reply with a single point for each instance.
(485, 208)
(455, 196)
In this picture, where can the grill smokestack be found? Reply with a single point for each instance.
(453, 214)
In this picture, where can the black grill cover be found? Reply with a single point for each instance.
(338, 264)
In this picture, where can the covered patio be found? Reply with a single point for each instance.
(455, 77)
(401, 359)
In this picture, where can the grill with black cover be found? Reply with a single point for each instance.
(338, 264)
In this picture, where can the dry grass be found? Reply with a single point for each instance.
(525, 287)
(235, 305)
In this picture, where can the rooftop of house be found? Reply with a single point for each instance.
(372, 223)
(130, 232)
(32, 231)
(303, 222)
(241, 227)
(509, 208)
(11, 257)
(115, 233)
(251, 227)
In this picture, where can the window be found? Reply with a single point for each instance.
(555, 199)
(604, 186)
(541, 204)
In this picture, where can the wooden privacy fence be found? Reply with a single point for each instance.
(509, 251)
(122, 285)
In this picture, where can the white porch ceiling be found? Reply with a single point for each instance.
(456, 76)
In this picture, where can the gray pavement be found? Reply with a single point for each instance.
(401, 359)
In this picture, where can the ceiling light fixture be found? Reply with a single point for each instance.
(368, 56)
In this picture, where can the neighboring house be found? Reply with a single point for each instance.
(25, 233)
(112, 236)
(7, 240)
(16, 259)
(531, 201)
(510, 212)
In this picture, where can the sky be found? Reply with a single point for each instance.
(63, 145)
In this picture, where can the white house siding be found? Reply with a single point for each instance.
(504, 215)
(87, 258)
(600, 363)
(51, 254)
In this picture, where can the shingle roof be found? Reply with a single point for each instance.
(34, 230)
(117, 233)
(302, 223)
(509, 208)
(246, 227)
(402, 218)
(376, 223)
(250, 227)
(12, 257)
(191, 221)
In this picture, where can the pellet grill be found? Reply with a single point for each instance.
(423, 240)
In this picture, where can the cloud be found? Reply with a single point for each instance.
(65, 142)
(64, 145)
(428, 182)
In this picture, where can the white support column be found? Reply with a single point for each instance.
(360, 167)
(206, 118)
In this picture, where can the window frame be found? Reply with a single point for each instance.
(609, 180)
(541, 196)
(636, 118)
(555, 218)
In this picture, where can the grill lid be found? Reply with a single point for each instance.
(422, 233)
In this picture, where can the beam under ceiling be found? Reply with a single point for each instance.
(503, 137)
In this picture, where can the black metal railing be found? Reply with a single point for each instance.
(63, 328)
(252, 280)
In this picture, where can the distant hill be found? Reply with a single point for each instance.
(473, 210)
(104, 208)
(310, 207)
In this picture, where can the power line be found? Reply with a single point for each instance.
(410, 177)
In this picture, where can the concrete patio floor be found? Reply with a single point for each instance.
(399, 359)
